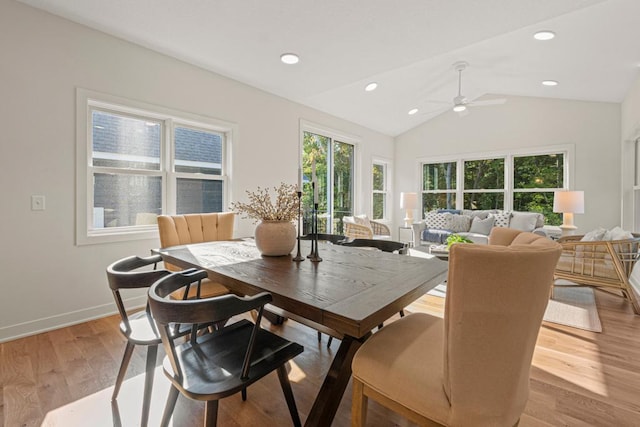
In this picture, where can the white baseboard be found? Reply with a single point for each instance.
(32, 327)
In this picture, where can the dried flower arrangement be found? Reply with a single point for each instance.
(260, 206)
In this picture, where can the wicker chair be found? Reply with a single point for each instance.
(361, 227)
(605, 265)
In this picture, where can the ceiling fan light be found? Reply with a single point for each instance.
(458, 108)
(544, 35)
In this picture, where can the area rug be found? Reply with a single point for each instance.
(570, 306)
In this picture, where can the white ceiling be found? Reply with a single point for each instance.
(406, 46)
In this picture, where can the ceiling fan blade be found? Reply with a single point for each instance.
(497, 101)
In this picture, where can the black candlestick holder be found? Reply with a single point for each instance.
(298, 256)
(314, 256)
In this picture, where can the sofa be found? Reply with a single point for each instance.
(475, 225)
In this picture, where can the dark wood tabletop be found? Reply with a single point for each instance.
(350, 292)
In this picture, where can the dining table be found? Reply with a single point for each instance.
(348, 294)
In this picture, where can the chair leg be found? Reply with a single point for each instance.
(288, 395)
(244, 394)
(169, 406)
(319, 336)
(358, 405)
(329, 341)
(152, 353)
(401, 313)
(128, 351)
(211, 413)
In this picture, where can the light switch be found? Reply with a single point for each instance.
(37, 203)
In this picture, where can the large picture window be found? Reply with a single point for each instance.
(522, 182)
(328, 158)
(141, 163)
(379, 197)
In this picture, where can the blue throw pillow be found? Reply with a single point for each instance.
(451, 211)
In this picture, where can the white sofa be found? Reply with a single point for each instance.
(474, 225)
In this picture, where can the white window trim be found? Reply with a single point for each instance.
(85, 101)
(569, 166)
(386, 163)
(335, 134)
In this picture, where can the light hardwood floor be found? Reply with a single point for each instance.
(65, 378)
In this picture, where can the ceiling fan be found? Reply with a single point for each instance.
(460, 102)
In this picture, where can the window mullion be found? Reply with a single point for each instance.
(169, 183)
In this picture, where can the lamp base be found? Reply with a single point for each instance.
(568, 230)
(408, 219)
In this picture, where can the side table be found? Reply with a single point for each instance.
(409, 241)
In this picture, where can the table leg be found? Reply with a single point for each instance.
(328, 399)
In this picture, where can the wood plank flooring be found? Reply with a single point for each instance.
(65, 378)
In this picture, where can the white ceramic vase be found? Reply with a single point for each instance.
(275, 238)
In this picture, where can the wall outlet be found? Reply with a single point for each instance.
(37, 203)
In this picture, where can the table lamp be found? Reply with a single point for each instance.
(408, 201)
(568, 203)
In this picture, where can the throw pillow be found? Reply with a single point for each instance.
(458, 223)
(362, 220)
(525, 221)
(617, 233)
(474, 213)
(481, 226)
(501, 219)
(594, 235)
(436, 220)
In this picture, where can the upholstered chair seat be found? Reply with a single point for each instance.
(472, 367)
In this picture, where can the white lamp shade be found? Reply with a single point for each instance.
(568, 201)
(408, 200)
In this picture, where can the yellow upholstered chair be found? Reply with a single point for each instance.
(472, 367)
(178, 230)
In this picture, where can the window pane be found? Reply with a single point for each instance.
(378, 205)
(378, 177)
(125, 200)
(342, 184)
(439, 176)
(484, 174)
(125, 142)
(545, 171)
(198, 151)
(198, 196)
(431, 201)
(538, 202)
(484, 200)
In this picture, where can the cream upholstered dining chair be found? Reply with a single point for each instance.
(196, 228)
(472, 367)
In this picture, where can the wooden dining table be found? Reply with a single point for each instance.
(347, 294)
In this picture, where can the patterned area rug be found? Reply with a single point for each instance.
(570, 306)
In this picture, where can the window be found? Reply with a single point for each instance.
(139, 162)
(328, 159)
(379, 198)
(532, 180)
(439, 186)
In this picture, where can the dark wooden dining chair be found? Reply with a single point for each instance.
(138, 328)
(213, 366)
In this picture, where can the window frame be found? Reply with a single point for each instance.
(568, 151)
(385, 191)
(88, 101)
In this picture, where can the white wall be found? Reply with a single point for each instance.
(47, 281)
(630, 132)
(593, 128)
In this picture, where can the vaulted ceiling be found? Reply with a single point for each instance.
(408, 47)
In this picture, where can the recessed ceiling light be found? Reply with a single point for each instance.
(412, 111)
(544, 35)
(549, 83)
(371, 86)
(289, 58)
(459, 108)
